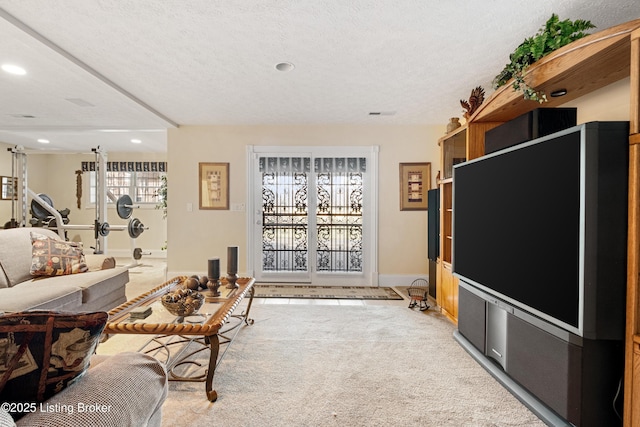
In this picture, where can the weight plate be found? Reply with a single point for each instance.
(37, 210)
(124, 206)
(137, 253)
(135, 228)
(104, 229)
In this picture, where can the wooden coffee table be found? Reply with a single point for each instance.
(210, 327)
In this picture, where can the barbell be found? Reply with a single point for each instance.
(134, 228)
(124, 207)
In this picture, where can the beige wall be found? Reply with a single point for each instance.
(5, 170)
(611, 103)
(196, 235)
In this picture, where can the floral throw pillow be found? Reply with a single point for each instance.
(52, 257)
(43, 352)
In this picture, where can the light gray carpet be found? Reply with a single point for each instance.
(346, 366)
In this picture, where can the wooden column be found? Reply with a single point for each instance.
(632, 376)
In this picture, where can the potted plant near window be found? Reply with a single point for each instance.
(162, 200)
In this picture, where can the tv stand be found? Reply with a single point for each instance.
(563, 378)
(522, 394)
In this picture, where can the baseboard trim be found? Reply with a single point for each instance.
(400, 279)
(386, 280)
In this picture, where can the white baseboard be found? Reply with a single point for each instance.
(383, 279)
(400, 279)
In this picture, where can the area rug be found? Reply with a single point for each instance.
(328, 292)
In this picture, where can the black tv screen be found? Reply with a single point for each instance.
(524, 227)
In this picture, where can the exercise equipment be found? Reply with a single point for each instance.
(43, 210)
(45, 215)
(40, 211)
(124, 206)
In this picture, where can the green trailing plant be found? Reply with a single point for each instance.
(552, 36)
(162, 196)
(162, 200)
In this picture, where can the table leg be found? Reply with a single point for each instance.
(248, 320)
(214, 342)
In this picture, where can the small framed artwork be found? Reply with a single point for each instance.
(214, 185)
(415, 181)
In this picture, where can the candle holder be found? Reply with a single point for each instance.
(231, 281)
(214, 276)
(214, 285)
(232, 267)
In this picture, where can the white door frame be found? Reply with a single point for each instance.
(369, 277)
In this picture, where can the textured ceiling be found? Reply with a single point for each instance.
(147, 65)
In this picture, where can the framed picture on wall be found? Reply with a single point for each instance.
(213, 180)
(415, 181)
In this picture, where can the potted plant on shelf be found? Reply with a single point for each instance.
(552, 36)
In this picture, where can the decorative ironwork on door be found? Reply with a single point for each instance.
(339, 188)
(285, 213)
(338, 184)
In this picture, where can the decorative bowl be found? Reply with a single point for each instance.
(183, 302)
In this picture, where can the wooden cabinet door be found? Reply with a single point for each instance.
(449, 294)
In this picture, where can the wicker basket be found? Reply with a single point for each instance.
(187, 305)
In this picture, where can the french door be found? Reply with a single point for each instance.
(313, 215)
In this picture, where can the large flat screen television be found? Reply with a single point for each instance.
(543, 226)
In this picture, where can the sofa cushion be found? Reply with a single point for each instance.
(44, 352)
(94, 284)
(130, 387)
(60, 298)
(55, 257)
(15, 252)
(5, 419)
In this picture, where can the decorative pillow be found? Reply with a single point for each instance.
(43, 352)
(53, 257)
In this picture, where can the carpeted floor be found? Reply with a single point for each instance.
(332, 365)
(268, 290)
(347, 366)
(318, 365)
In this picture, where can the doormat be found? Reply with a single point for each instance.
(328, 292)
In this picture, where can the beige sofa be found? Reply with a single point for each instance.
(127, 389)
(95, 290)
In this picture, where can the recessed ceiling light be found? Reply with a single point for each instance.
(43, 141)
(285, 66)
(558, 92)
(14, 69)
(382, 113)
(136, 141)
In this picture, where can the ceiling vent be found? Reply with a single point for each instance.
(382, 113)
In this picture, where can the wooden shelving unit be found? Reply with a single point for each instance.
(453, 150)
(581, 67)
